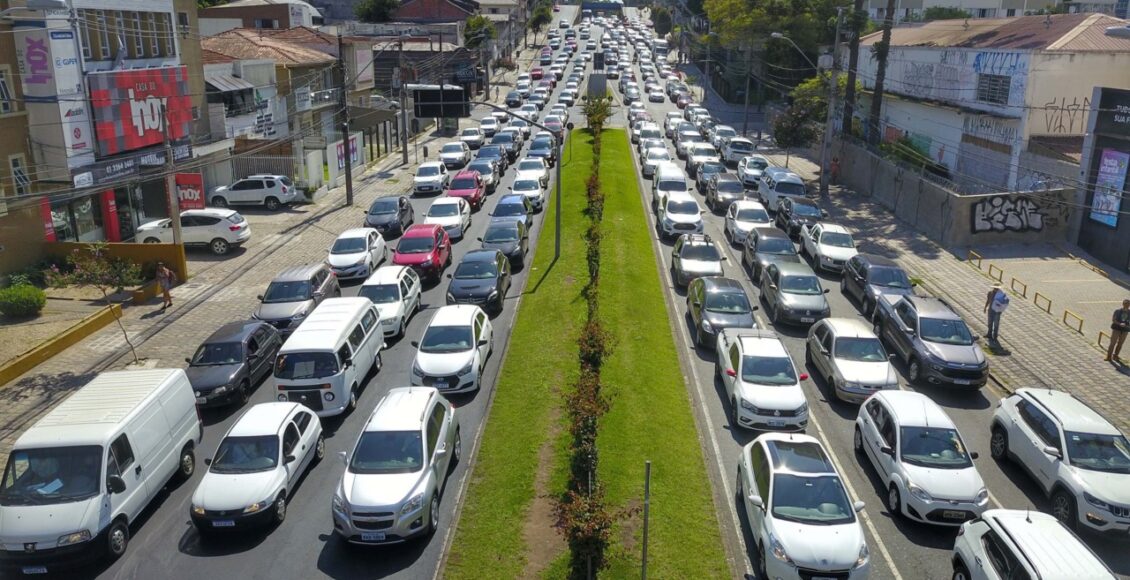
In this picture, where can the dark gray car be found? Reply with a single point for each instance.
(294, 293)
(390, 215)
(513, 207)
(231, 362)
(932, 340)
(715, 303)
(793, 294)
(723, 189)
(867, 276)
(764, 246)
(509, 237)
(482, 277)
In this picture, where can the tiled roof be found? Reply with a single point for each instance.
(213, 57)
(242, 43)
(1058, 32)
(312, 38)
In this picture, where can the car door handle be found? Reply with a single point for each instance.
(137, 470)
(977, 559)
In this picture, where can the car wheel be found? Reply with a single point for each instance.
(1063, 508)
(739, 488)
(219, 202)
(843, 286)
(762, 555)
(272, 204)
(219, 246)
(857, 441)
(894, 501)
(244, 393)
(186, 466)
(433, 515)
(457, 448)
(998, 443)
(914, 371)
(320, 448)
(959, 571)
(279, 515)
(117, 539)
(152, 241)
(403, 325)
(352, 398)
(734, 412)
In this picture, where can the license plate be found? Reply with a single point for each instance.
(962, 382)
(373, 537)
(776, 423)
(34, 569)
(223, 523)
(440, 384)
(822, 578)
(201, 400)
(808, 320)
(953, 515)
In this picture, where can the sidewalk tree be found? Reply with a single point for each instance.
(541, 18)
(375, 10)
(794, 128)
(95, 268)
(945, 13)
(597, 111)
(661, 19)
(477, 31)
(880, 50)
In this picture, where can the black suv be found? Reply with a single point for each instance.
(513, 99)
(867, 277)
(715, 303)
(797, 212)
(508, 143)
(764, 246)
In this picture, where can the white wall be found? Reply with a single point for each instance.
(1060, 93)
(214, 26)
(937, 129)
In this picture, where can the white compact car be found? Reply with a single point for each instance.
(742, 216)
(653, 157)
(852, 360)
(257, 465)
(1023, 544)
(679, 214)
(453, 214)
(921, 459)
(356, 253)
(533, 168)
(430, 178)
(219, 230)
(394, 477)
(455, 154)
(804, 525)
(750, 169)
(396, 292)
(829, 245)
(472, 136)
(760, 380)
(532, 189)
(489, 126)
(454, 349)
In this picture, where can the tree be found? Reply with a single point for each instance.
(794, 128)
(375, 10)
(96, 268)
(597, 111)
(477, 30)
(811, 96)
(881, 49)
(661, 19)
(541, 17)
(857, 20)
(945, 13)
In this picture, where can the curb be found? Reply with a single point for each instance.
(16, 367)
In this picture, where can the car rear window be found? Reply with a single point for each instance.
(236, 218)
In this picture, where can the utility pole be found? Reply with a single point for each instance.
(833, 92)
(343, 101)
(748, 75)
(403, 106)
(171, 181)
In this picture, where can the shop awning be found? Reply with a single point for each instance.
(228, 83)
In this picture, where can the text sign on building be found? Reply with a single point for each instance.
(128, 107)
(190, 190)
(1113, 112)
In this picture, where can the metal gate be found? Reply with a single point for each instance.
(272, 164)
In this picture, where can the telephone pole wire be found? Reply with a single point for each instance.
(343, 101)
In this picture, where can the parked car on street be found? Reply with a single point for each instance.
(867, 277)
(483, 278)
(390, 215)
(793, 294)
(217, 229)
(850, 358)
(294, 293)
(231, 362)
(829, 246)
(1022, 544)
(514, 207)
(396, 291)
(454, 349)
(272, 191)
(356, 252)
(794, 213)
(426, 248)
(715, 303)
(932, 340)
(760, 380)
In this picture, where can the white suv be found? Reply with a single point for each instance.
(760, 380)
(272, 191)
(921, 459)
(1022, 544)
(1077, 457)
(800, 516)
(219, 230)
(398, 469)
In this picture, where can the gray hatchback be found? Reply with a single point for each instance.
(294, 293)
(793, 294)
(231, 362)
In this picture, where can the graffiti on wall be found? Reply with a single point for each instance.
(1067, 117)
(989, 127)
(1004, 214)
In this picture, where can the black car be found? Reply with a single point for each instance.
(390, 215)
(544, 147)
(715, 303)
(764, 246)
(797, 212)
(867, 277)
(722, 190)
(509, 237)
(482, 277)
(508, 144)
(497, 153)
(705, 173)
(231, 362)
(513, 99)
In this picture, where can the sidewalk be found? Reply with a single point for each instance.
(1037, 350)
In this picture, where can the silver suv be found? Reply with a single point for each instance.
(272, 191)
(932, 340)
(1077, 457)
(294, 293)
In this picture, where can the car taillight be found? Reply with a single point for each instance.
(286, 189)
(235, 228)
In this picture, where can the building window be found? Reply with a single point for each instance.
(84, 34)
(154, 41)
(170, 38)
(266, 23)
(21, 184)
(182, 21)
(993, 88)
(138, 42)
(120, 27)
(7, 103)
(1010, 12)
(103, 35)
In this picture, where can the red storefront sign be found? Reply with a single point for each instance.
(48, 221)
(128, 107)
(190, 190)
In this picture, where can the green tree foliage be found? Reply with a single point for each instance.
(597, 111)
(661, 18)
(794, 128)
(374, 10)
(21, 301)
(541, 17)
(809, 23)
(945, 13)
(811, 96)
(477, 31)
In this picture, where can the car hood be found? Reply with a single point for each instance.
(721, 320)
(957, 484)
(450, 156)
(683, 218)
(230, 491)
(1111, 487)
(389, 310)
(783, 397)
(868, 373)
(529, 175)
(483, 287)
(730, 195)
(429, 179)
(753, 173)
(444, 221)
(956, 353)
(820, 547)
(378, 490)
(343, 260)
(206, 378)
(401, 259)
(837, 253)
(281, 310)
(376, 219)
(766, 259)
(702, 267)
(45, 523)
(443, 364)
(747, 226)
(814, 302)
(471, 139)
(508, 248)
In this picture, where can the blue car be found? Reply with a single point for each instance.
(515, 207)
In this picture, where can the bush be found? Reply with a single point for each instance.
(21, 301)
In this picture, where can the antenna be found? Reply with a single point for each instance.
(1027, 516)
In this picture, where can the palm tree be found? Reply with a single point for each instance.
(882, 48)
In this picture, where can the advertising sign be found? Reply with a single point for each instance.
(1109, 186)
(1113, 112)
(302, 99)
(128, 107)
(190, 190)
(51, 79)
(339, 151)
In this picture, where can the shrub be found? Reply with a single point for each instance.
(21, 301)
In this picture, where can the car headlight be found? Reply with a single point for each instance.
(426, 263)
(851, 385)
(778, 550)
(450, 297)
(74, 538)
(493, 294)
(258, 506)
(937, 367)
(301, 314)
(918, 492)
(412, 504)
(982, 496)
(802, 409)
(220, 390)
(1095, 501)
(417, 371)
(338, 504)
(198, 510)
(466, 370)
(864, 556)
(707, 326)
(750, 407)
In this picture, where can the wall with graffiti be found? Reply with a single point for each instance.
(1008, 218)
(1061, 100)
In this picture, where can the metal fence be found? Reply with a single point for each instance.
(272, 164)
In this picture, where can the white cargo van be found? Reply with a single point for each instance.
(83, 473)
(777, 183)
(324, 363)
(669, 180)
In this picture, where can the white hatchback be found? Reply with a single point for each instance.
(431, 177)
(453, 214)
(454, 349)
(533, 168)
(744, 215)
(356, 253)
(760, 381)
(396, 292)
(531, 188)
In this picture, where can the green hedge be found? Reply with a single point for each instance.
(21, 301)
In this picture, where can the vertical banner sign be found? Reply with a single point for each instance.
(51, 79)
(128, 105)
(190, 190)
(353, 153)
(1109, 186)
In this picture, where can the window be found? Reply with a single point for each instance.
(138, 41)
(170, 38)
(344, 354)
(290, 439)
(154, 41)
(906, 314)
(7, 104)
(369, 320)
(21, 183)
(84, 34)
(357, 337)
(122, 452)
(735, 357)
(302, 421)
(993, 88)
(435, 424)
(1002, 559)
(1039, 423)
(760, 470)
(1010, 12)
(119, 27)
(103, 35)
(182, 20)
(252, 346)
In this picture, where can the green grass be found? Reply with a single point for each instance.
(650, 417)
(542, 360)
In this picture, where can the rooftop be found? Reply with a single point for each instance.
(401, 409)
(915, 409)
(1051, 33)
(262, 419)
(242, 43)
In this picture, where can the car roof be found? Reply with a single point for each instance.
(768, 232)
(262, 419)
(208, 211)
(792, 269)
(265, 176)
(761, 340)
(802, 201)
(915, 409)
(849, 327)
(234, 331)
(793, 453)
(298, 273)
(511, 198)
(741, 140)
(1072, 413)
(1052, 550)
(355, 233)
(447, 201)
(454, 315)
(931, 307)
(480, 256)
(435, 164)
(401, 409)
(835, 228)
(385, 275)
(725, 177)
(721, 284)
(749, 204)
(877, 260)
(420, 231)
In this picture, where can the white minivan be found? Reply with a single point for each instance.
(669, 179)
(78, 479)
(777, 183)
(324, 363)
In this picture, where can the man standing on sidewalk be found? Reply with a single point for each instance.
(1119, 325)
(995, 304)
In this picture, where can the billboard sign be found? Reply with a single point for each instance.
(53, 93)
(128, 107)
(190, 190)
(1113, 113)
(1109, 187)
(339, 153)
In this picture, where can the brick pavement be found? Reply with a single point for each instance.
(1036, 349)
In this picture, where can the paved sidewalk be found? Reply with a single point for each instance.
(1037, 350)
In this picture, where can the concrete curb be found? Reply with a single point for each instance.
(42, 353)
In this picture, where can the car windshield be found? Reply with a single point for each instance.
(706, 252)
(757, 164)
(752, 214)
(348, 246)
(508, 209)
(531, 165)
(727, 303)
(939, 448)
(420, 245)
(683, 207)
(889, 277)
(451, 148)
(800, 285)
(712, 167)
(493, 152)
(476, 271)
(526, 185)
(691, 138)
(806, 210)
(659, 155)
(441, 339)
(542, 143)
(380, 293)
(384, 206)
(388, 452)
(246, 454)
(443, 210)
(776, 246)
(813, 500)
(836, 239)
(860, 349)
(503, 138)
(743, 147)
(464, 183)
(729, 186)
(484, 168)
(768, 370)
(427, 171)
(1095, 452)
(945, 331)
(306, 365)
(471, 132)
(218, 353)
(51, 475)
(788, 188)
(295, 291)
(501, 233)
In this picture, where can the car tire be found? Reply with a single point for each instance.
(894, 501)
(998, 443)
(244, 393)
(1063, 508)
(219, 202)
(219, 246)
(914, 371)
(186, 464)
(352, 405)
(734, 423)
(117, 539)
(152, 241)
(457, 448)
(320, 449)
(843, 287)
(433, 515)
(279, 509)
(959, 571)
(762, 555)
(272, 204)
(857, 441)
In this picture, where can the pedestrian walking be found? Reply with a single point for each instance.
(835, 171)
(995, 304)
(1119, 325)
(165, 280)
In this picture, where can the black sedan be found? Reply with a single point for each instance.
(513, 99)
(483, 278)
(867, 277)
(543, 147)
(390, 215)
(797, 212)
(497, 153)
(509, 237)
(231, 362)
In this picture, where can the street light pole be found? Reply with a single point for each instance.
(833, 93)
(403, 105)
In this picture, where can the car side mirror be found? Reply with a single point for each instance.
(858, 506)
(827, 290)
(416, 343)
(259, 297)
(886, 450)
(319, 294)
(207, 461)
(891, 356)
(291, 459)
(772, 286)
(804, 376)
(115, 484)
(483, 342)
(976, 337)
(1053, 451)
(974, 455)
(756, 500)
(725, 258)
(344, 457)
(441, 450)
(187, 360)
(731, 373)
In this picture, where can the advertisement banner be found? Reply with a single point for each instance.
(128, 107)
(1109, 186)
(302, 99)
(354, 158)
(51, 79)
(190, 190)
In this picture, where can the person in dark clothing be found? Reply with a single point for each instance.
(1119, 325)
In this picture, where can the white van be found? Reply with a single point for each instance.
(669, 179)
(325, 362)
(85, 471)
(777, 183)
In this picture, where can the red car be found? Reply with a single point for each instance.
(548, 82)
(552, 125)
(469, 186)
(536, 73)
(426, 249)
